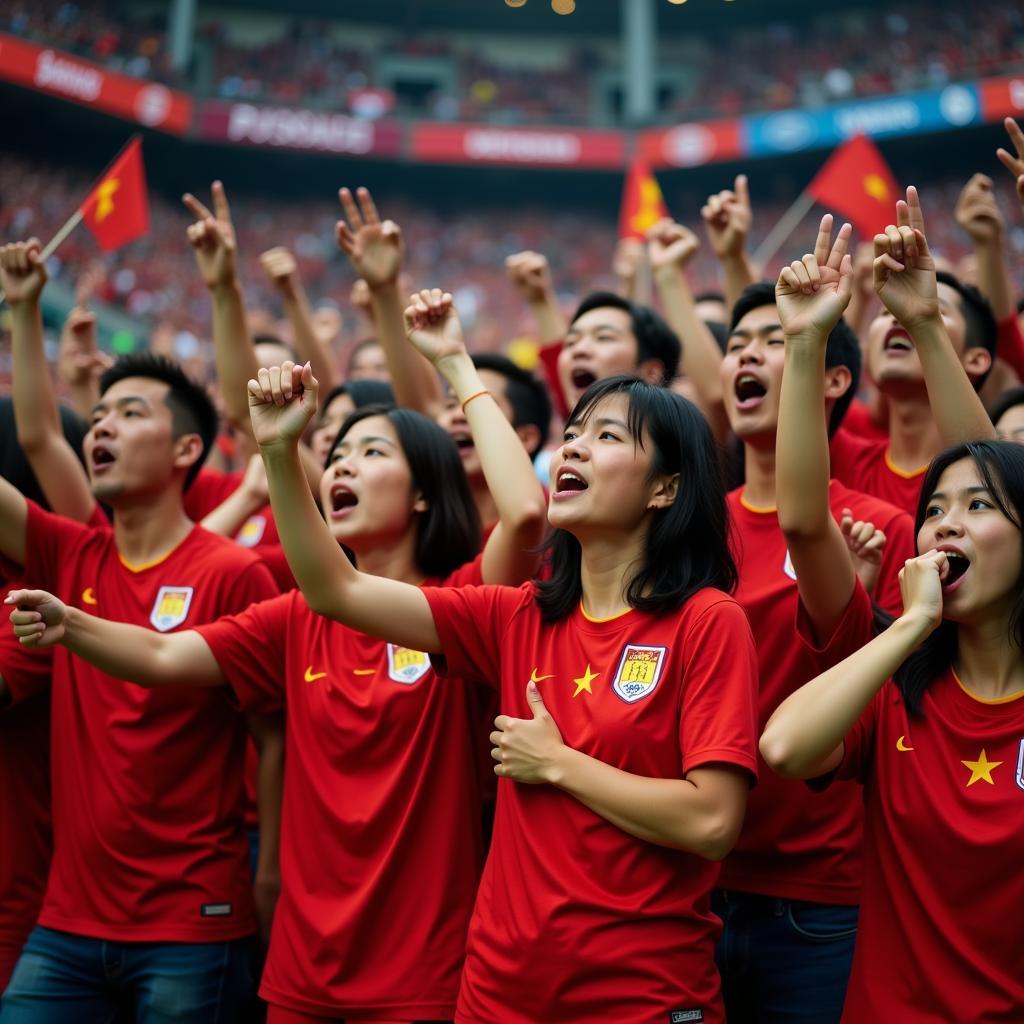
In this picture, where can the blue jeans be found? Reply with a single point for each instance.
(783, 961)
(71, 979)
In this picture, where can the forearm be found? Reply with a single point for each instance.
(803, 736)
(227, 518)
(737, 274)
(234, 355)
(412, 377)
(551, 324)
(994, 277)
(955, 404)
(308, 344)
(84, 396)
(36, 416)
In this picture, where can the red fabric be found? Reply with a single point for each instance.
(941, 934)
(147, 784)
(858, 422)
(549, 363)
(795, 844)
(577, 921)
(116, 212)
(642, 202)
(857, 182)
(381, 844)
(865, 466)
(25, 835)
(1010, 343)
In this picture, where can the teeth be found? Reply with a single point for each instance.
(572, 476)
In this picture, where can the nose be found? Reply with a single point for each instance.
(103, 427)
(751, 353)
(949, 526)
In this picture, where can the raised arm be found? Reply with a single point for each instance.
(804, 738)
(246, 499)
(630, 270)
(374, 248)
(905, 281)
(1014, 162)
(671, 246)
(811, 295)
(283, 273)
(36, 414)
(509, 557)
(978, 213)
(727, 217)
(282, 401)
(140, 655)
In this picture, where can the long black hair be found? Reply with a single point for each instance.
(448, 531)
(1001, 467)
(687, 545)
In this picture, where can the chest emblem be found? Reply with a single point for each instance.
(981, 769)
(407, 666)
(639, 672)
(1020, 765)
(170, 608)
(252, 531)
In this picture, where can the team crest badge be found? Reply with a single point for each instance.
(638, 672)
(406, 666)
(170, 608)
(787, 567)
(252, 531)
(1020, 765)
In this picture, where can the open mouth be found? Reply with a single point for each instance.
(897, 340)
(749, 391)
(342, 501)
(582, 379)
(958, 565)
(464, 442)
(101, 458)
(568, 482)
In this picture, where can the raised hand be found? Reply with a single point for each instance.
(79, 359)
(812, 293)
(670, 244)
(921, 587)
(727, 216)
(904, 271)
(1014, 164)
(373, 247)
(432, 325)
(866, 544)
(627, 259)
(530, 273)
(22, 271)
(282, 401)
(977, 211)
(281, 269)
(38, 617)
(525, 749)
(212, 238)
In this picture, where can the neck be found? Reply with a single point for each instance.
(147, 531)
(987, 663)
(759, 473)
(606, 568)
(392, 559)
(486, 507)
(914, 438)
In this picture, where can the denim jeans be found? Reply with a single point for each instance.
(71, 979)
(783, 961)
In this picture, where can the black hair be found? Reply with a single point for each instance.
(709, 296)
(531, 404)
(1008, 400)
(362, 392)
(14, 466)
(359, 346)
(719, 332)
(273, 339)
(192, 411)
(448, 532)
(654, 338)
(982, 330)
(687, 545)
(1001, 466)
(841, 348)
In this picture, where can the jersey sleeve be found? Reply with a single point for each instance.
(718, 717)
(859, 742)
(899, 546)
(852, 632)
(471, 622)
(250, 649)
(254, 583)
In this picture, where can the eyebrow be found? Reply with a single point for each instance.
(746, 332)
(364, 440)
(604, 421)
(976, 489)
(599, 327)
(120, 403)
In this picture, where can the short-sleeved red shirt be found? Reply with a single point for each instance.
(381, 844)
(149, 843)
(795, 843)
(865, 464)
(576, 920)
(941, 932)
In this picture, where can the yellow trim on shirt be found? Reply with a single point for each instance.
(607, 618)
(904, 474)
(753, 508)
(987, 700)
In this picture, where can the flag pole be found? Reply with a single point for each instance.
(784, 227)
(51, 246)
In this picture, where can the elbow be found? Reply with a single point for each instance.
(800, 529)
(779, 754)
(718, 836)
(531, 522)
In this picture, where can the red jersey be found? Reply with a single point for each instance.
(865, 464)
(381, 843)
(576, 920)
(149, 844)
(859, 422)
(25, 836)
(941, 933)
(1010, 343)
(795, 843)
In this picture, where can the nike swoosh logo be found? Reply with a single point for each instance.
(364, 671)
(311, 676)
(88, 597)
(900, 745)
(534, 678)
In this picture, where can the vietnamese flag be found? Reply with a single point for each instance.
(642, 202)
(856, 182)
(116, 211)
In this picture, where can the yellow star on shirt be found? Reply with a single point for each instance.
(584, 681)
(981, 769)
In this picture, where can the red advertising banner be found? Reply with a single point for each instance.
(59, 74)
(689, 145)
(525, 147)
(314, 131)
(1002, 97)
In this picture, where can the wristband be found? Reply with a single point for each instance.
(471, 397)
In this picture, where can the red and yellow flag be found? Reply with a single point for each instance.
(642, 202)
(116, 211)
(856, 182)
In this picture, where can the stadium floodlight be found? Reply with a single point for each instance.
(677, 2)
(563, 6)
(515, 3)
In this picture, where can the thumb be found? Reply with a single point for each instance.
(26, 599)
(536, 701)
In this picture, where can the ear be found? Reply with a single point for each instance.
(188, 450)
(651, 370)
(977, 361)
(420, 504)
(530, 435)
(837, 382)
(664, 491)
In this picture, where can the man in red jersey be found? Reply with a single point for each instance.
(149, 900)
(789, 888)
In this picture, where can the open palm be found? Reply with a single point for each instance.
(373, 246)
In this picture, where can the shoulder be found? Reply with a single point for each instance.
(711, 609)
(225, 553)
